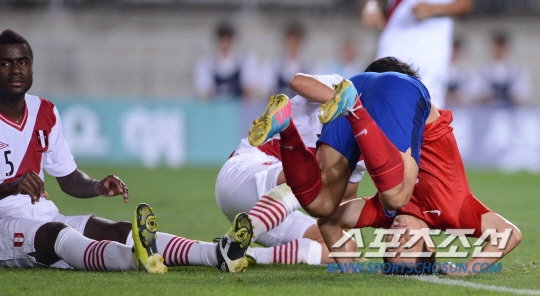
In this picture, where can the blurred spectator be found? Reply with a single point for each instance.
(278, 73)
(419, 33)
(348, 65)
(227, 74)
(463, 82)
(503, 82)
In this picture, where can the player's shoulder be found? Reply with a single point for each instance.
(40, 107)
(38, 101)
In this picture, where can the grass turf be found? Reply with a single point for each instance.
(185, 205)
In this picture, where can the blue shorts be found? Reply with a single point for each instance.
(399, 105)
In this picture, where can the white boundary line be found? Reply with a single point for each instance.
(446, 281)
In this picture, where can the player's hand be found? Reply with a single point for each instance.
(111, 186)
(31, 184)
(424, 10)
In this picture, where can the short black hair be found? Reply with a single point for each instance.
(391, 64)
(423, 261)
(225, 30)
(295, 29)
(500, 37)
(10, 37)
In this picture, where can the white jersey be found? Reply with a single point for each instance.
(34, 144)
(306, 118)
(427, 44)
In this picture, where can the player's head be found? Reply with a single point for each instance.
(391, 64)
(500, 45)
(225, 35)
(15, 65)
(410, 222)
(294, 35)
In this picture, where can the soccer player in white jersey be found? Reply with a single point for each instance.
(34, 233)
(246, 181)
(418, 32)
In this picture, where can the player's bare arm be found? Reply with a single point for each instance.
(29, 183)
(425, 10)
(331, 227)
(310, 87)
(80, 185)
(492, 221)
(393, 199)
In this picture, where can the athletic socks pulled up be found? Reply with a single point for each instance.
(83, 253)
(300, 166)
(302, 250)
(382, 159)
(179, 251)
(272, 208)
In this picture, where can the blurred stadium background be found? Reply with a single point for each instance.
(122, 73)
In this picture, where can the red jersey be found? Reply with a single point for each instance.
(441, 197)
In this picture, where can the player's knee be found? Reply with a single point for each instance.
(350, 245)
(516, 235)
(121, 231)
(394, 201)
(51, 229)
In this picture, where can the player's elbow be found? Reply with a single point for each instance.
(395, 202)
(516, 236)
(297, 81)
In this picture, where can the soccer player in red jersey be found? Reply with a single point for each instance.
(441, 199)
(33, 232)
(399, 118)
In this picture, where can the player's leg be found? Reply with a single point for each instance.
(393, 171)
(176, 250)
(246, 183)
(55, 241)
(300, 166)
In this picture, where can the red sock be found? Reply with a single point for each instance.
(383, 160)
(300, 166)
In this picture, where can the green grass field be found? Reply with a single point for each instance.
(185, 204)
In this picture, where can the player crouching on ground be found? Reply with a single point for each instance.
(33, 232)
(441, 199)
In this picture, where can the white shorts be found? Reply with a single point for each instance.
(17, 239)
(243, 179)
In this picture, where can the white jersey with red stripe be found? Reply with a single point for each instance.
(34, 144)
(427, 44)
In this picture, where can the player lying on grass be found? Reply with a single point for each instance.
(34, 233)
(441, 198)
(245, 184)
(319, 182)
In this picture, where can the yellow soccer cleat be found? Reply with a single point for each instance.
(144, 229)
(342, 102)
(275, 119)
(231, 248)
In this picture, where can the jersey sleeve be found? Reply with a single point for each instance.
(58, 159)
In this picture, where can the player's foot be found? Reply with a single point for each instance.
(251, 260)
(275, 119)
(342, 102)
(232, 247)
(144, 237)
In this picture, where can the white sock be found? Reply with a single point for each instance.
(272, 208)
(179, 251)
(83, 253)
(301, 250)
